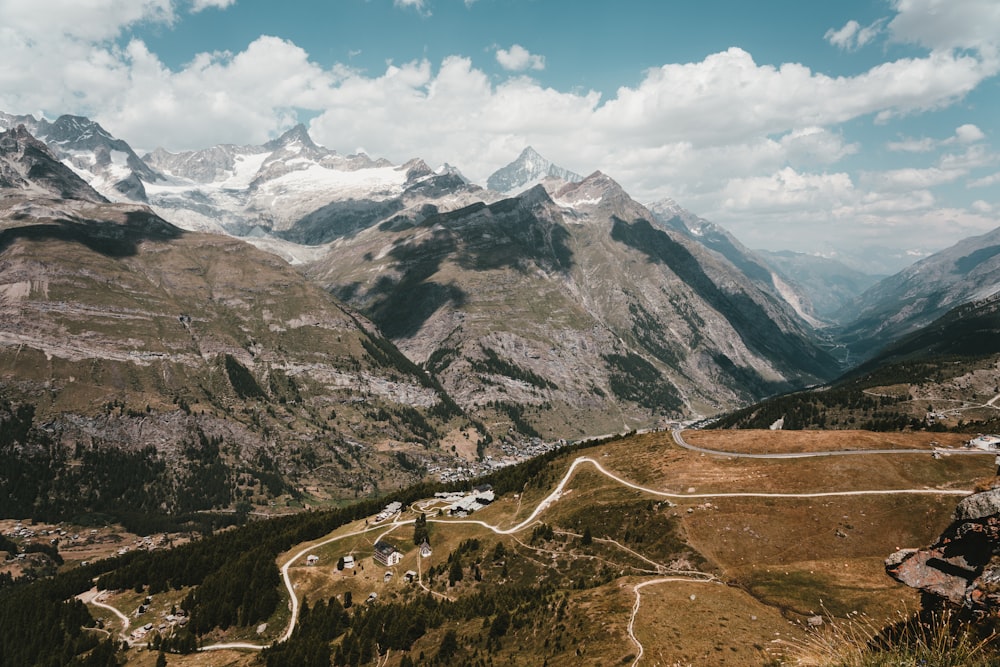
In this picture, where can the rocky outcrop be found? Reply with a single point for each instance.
(962, 567)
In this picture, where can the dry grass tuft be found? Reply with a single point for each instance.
(938, 639)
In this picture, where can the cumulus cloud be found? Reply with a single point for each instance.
(911, 178)
(852, 36)
(923, 145)
(518, 59)
(964, 134)
(968, 134)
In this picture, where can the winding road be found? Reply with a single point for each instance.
(681, 442)
(558, 492)
(93, 597)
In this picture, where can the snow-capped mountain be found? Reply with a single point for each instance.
(528, 170)
(108, 164)
(29, 169)
(294, 190)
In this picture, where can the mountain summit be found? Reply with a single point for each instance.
(28, 167)
(528, 169)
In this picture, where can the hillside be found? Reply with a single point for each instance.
(572, 307)
(829, 285)
(945, 376)
(920, 294)
(145, 369)
(598, 555)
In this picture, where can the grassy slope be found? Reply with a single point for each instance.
(781, 560)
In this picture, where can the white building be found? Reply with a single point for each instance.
(988, 442)
(387, 554)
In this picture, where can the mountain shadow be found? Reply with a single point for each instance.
(402, 306)
(108, 238)
(507, 234)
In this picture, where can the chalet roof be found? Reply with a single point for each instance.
(385, 548)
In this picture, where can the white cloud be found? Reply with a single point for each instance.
(980, 206)
(964, 134)
(199, 5)
(419, 5)
(974, 157)
(986, 181)
(911, 178)
(518, 59)
(727, 95)
(923, 145)
(968, 134)
(852, 36)
(786, 190)
(947, 24)
(52, 21)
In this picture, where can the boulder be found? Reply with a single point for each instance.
(962, 568)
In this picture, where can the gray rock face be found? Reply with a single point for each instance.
(962, 567)
(528, 168)
(27, 164)
(978, 506)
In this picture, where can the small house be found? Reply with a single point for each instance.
(425, 549)
(387, 554)
(410, 576)
(312, 559)
(348, 562)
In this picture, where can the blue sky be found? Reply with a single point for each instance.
(857, 128)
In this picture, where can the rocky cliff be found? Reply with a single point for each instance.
(962, 568)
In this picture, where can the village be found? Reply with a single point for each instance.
(514, 453)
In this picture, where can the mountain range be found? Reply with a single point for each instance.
(403, 319)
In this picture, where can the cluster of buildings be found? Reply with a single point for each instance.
(463, 504)
(514, 452)
(390, 509)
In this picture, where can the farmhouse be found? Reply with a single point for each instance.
(387, 554)
(348, 562)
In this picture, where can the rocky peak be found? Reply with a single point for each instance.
(451, 170)
(27, 164)
(598, 190)
(11, 121)
(962, 568)
(416, 169)
(529, 168)
(77, 130)
(298, 134)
